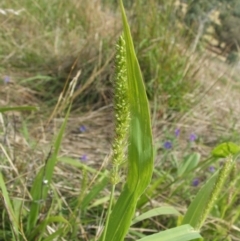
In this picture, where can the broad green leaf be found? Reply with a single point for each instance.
(189, 163)
(140, 148)
(167, 210)
(225, 149)
(18, 108)
(140, 151)
(181, 233)
(195, 210)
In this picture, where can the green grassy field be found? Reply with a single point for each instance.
(58, 58)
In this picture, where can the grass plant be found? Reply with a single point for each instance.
(148, 190)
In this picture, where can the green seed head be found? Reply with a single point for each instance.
(121, 107)
(121, 103)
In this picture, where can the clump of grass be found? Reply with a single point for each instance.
(61, 38)
(162, 55)
(44, 215)
(47, 43)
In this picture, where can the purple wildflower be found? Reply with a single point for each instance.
(195, 182)
(167, 145)
(177, 132)
(83, 158)
(211, 169)
(6, 79)
(82, 129)
(192, 137)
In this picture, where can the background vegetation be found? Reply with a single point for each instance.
(193, 97)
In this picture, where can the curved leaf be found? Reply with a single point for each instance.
(167, 210)
(195, 210)
(181, 233)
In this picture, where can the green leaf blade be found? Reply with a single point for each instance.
(140, 137)
(8, 206)
(189, 163)
(181, 233)
(164, 210)
(195, 210)
(18, 108)
(140, 147)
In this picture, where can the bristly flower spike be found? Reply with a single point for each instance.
(121, 107)
(122, 119)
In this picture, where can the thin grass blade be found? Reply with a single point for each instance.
(164, 210)
(101, 184)
(41, 184)
(47, 221)
(9, 207)
(18, 108)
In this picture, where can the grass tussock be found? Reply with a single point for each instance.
(46, 43)
(194, 107)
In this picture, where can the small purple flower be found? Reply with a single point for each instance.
(177, 132)
(82, 129)
(195, 182)
(167, 145)
(192, 137)
(211, 169)
(83, 158)
(6, 79)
